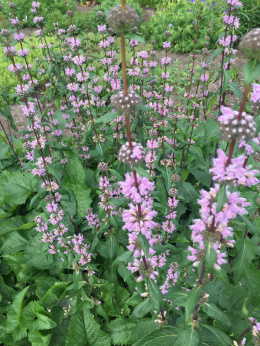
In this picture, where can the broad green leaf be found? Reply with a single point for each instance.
(188, 192)
(211, 103)
(38, 339)
(135, 37)
(155, 293)
(162, 193)
(142, 309)
(220, 337)
(19, 188)
(13, 324)
(106, 118)
(252, 280)
(15, 242)
(212, 130)
(54, 294)
(213, 311)
(36, 256)
(15, 223)
(165, 336)
(187, 336)
(247, 251)
(227, 77)
(22, 271)
(85, 331)
(211, 257)
(142, 172)
(6, 113)
(35, 317)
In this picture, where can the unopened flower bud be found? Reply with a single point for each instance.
(49, 198)
(153, 42)
(5, 33)
(131, 156)
(153, 133)
(167, 33)
(238, 129)
(72, 28)
(250, 44)
(153, 53)
(12, 5)
(121, 21)
(110, 30)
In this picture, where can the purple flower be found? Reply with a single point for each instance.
(255, 95)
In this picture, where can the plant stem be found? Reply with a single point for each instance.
(244, 333)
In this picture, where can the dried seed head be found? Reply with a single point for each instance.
(167, 33)
(49, 198)
(121, 21)
(110, 30)
(153, 133)
(27, 145)
(131, 156)
(258, 201)
(99, 14)
(256, 156)
(70, 13)
(173, 192)
(22, 93)
(12, 5)
(153, 53)
(113, 178)
(174, 266)
(126, 104)
(250, 44)
(5, 33)
(153, 42)
(72, 28)
(238, 129)
(102, 166)
(175, 178)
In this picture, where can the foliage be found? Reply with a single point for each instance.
(178, 18)
(129, 218)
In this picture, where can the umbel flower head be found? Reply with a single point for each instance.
(121, 21)
(250, 44)
(126, 104)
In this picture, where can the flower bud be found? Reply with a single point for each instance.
(72, 28)
(238, 129)
(167, 33)
(121, 21)
(153, 133)
(12, 5)
(173, 192)
(250, 44)
(99, 14)
(102, 166)
(5, 33)
(131, 156)
(70, 13)
(175, 178)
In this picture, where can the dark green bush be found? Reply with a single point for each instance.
(249, 16)
(180, 18)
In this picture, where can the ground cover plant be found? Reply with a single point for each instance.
(129, 205)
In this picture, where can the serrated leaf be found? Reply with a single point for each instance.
(162, 193)
(211, 103)
(212, 130)
(34, 317)
(142, 309)
(155, 293)
(187, 336)
(54, 294)
(38, 339)
(188, 192)
(85, 331)
(142, 172)
(13, 224)
(221, 337)
(6, 113)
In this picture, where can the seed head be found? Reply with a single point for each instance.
(175, 178)
(102, 166)
(173, 192)
(131, 156)
(12, 5)
(238, 129)
(167, 33)
(49, 198)
(121, 21)
(153, 42)
(5, 33)
(72, 28)
(250, 44)
(70, 13)
(153, 133)
(126, 104)
(99, 14)
(153, 53)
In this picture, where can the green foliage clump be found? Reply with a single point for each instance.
(249, 16)
(52, 11)
(8, 80)
(180, 18)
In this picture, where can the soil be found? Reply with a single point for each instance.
(184, 62)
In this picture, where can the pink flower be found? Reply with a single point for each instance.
(255, 95)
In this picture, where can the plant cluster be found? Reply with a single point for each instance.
(129, 208)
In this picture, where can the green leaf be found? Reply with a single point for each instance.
(34, 317)
(191, 302)
(247, 251)
(14, 224)
(211, 103)
(38, 339)
(142, 309)
(251, 71)
(35, 256)
(19, 188)
(134, 37)
(221, 197)
(187, 336)
(236, 91)
(211, 257)
(162, 193)
(85, 331)
(126, 331)
(227, 77)
(15, 242)
(54, 294)
(155, 293)
(142, 172)
(212, 130)
(13, 321)
(213, 311)
(106, 118)
(188, 192)
(252, 280)
(220, 337)
(165, 336)
(6, 113)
